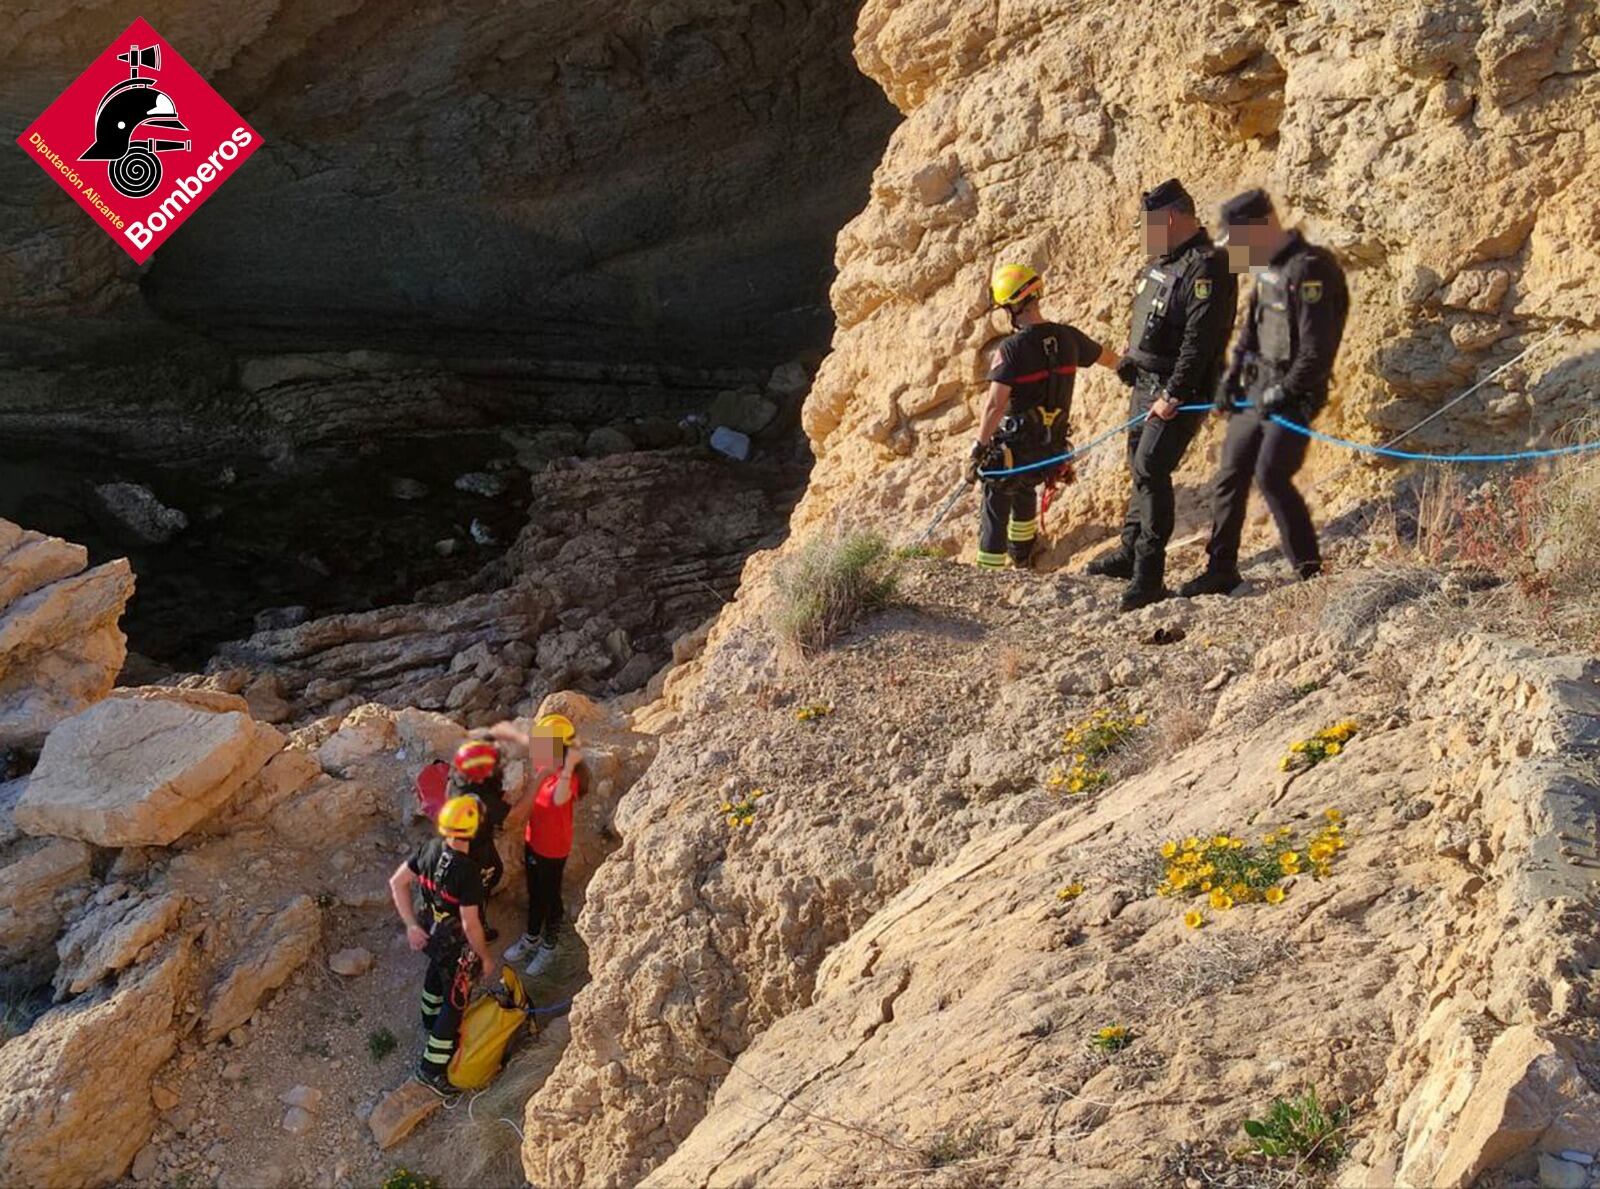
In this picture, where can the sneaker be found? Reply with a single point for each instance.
(1210, 583)
(1142, 596)
(1312, 569)
(438, 1083)
(540, 961)
(521, 948)
(1116, 564)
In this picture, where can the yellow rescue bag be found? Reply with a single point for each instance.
(487, 1028)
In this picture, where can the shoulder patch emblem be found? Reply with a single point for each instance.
(1202, 289)
(1311, 292)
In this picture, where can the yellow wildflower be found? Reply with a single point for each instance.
(1220, 900)
(1274, 895)
(1071, 892)
(1333, 815)
(1191, 843)
(1168, 849)
(1334, 748)
(1289, 861)
(1194, 918)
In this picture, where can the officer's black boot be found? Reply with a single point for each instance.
(1211, 582)
(1148, 585)
(1116, 564)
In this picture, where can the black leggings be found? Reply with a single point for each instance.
(545, 910)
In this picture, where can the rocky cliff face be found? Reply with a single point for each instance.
(1441, 150)
(639, 184)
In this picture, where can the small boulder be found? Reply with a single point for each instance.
(351, 962)
(137, 507)
(277, 947)
(306, 1098)
(165, 1097)
(400, 1111)
(607, 440)
(747, 412)
(481, 483)
(297, 1121)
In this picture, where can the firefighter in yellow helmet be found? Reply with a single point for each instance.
(557, 783)
(453, 937)
(1025, 421)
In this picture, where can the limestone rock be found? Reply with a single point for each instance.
(366, 732)
(747, 412)
(35, 876)
(60, 646)
(307, 1098)
(331, 810)
(1525, 1085)
(139, 509)
(351, 962)
(400, 1112)
(277, 946)
(76, 1105)
(141, 772)
(111, 937)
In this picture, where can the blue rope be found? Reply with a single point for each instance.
(553, 1009)
(1314, 435)
(1414, 456)
(1058, 459)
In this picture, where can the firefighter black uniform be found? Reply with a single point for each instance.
(450, 881)
(1039, 364)
(1183, 310)
(1281, 365)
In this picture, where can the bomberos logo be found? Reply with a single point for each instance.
(160, 141)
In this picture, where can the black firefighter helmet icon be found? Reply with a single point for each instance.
(131, 104)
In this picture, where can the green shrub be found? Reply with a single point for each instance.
(404, 1178)
(827, 584)
(380, 1043)
(1300, 1127)
(957, 1145)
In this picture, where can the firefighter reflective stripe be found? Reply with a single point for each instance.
(993, 561)
(432, 1001)
(1022, 530)
(439, 1052)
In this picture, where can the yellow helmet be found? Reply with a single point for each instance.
(459, 817)
(1013, 284)
(556, 726)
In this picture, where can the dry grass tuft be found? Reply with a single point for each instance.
(1350, 613)
(480, 1141)
(829, 583)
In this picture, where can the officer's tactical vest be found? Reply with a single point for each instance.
(1158, 318)
(1275, 326)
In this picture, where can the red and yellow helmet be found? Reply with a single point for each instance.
(1011, 285)
(459, 817)
(476, 760)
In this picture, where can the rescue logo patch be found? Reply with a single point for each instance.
(129, 108)
(1312, 292)
(1202, 289)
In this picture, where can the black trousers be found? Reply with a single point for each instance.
(1008, 523)
(1259, 449)
(441, 1013)
(545, 910)
(1155, 448)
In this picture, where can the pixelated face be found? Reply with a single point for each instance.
(1157, 231)
(1247, 245)
(547, 752)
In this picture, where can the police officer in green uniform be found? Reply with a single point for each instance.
(1183, 309)
(1281, 365)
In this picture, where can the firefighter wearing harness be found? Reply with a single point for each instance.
(453, 939)
(1183, 309)
(1281, 365)
(1025, 421)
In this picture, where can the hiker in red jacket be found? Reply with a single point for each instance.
(547, 841)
